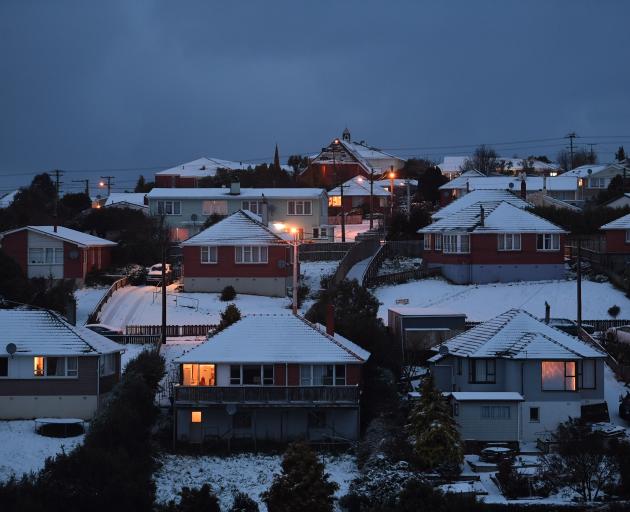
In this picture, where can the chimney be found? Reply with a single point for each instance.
(264, 214)
(55, 226)
(482, 216)
(330, 320)
(523, 189)
(235, 188)
(467, 186)
(547, 312)
(544, 184)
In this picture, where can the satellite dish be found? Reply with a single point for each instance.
(230, 409)
(511, 185)
(11, 348)
(590, 171)
(443, 350)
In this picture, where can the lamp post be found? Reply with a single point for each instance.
(295, 243)
(392, 175)
(343, 217)
(371, 198)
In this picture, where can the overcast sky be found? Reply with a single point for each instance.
(144, 85)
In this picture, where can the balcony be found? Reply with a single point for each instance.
(268, 395)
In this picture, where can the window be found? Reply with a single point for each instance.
(558, 376)
(460, 364)
(305, 375)
(4, 366)
(251, 254)
(495, 412)
(235, 375)
(323, 232)
(214, 208)
(427, 241)
(334, 201)
(317, 419)
(323, 375)
(55, 366)
(242, 419)
(251, 375)
(267, 370)
(586, 374)
(455, 409)
(198, 374)
(340, 375)
(107, 364)
(438, 242)
(195, 416)
(45, 256)
(169, 207)
(509, 241)
(299, 208)
(456, 244)
(482, 371)
(534, 414)
(597, 182)
(628, 236)
(209, 254)
(548, 242)
(253, 206)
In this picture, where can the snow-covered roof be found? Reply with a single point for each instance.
(516, 334)
(533, 183)
(398, 182)
(480, 196)
(44, 333)
(502, 217)
(419, 311)
(460, 181)
(281, 338)
(240, 228)
(483, 396)
(202, 167)
(621, 223)
(66, 234)
(584, 171)
(366, 152)
(7, 199)
(125, 197)
(245, 193)
(358, 186)
(452, 164)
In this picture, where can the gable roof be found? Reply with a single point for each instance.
(136, 198)
(584, 171)
(240, 228)
(281, 338)
(480, 181)
(621, 223)
(44, 333)
(65, 234)
(480, 196)
(460, 181)
(202, 167)
(501, 217)
(359, 186)
(245, 193)
(516, 334)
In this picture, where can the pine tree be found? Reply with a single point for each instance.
(438, 445)
(302, 485)
(620, 155)
(230, 316)
(140, 184)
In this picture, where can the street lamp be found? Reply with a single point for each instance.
(295, 243)
(392, 176)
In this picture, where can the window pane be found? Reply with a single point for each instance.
(177, 207)
(553, 375)
(36, 255)
(4, 366)
(235, 374)
(206, 375)
(268, 374)
(588, 374)
(340, 375)
(291, 208)
(305, 375)
(328, 375)
(517, 242)
(251, 375)
(55, 366)
(318, 374)
(307, 207)
(263, 254)
(238, 251)
(72, 365)
(195, 416)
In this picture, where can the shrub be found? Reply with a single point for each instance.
(614, 311)
(197, 500)
(231, 315)
(228, 293)
(243, 503)
(512, 483)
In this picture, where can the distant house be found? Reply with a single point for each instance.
(515, 378)
(186, 209)
(57, 252)
(7, 199)
(273, 378)
(356, 193)
(453, 166)
(494, 242)
(131, 200)
(343, 159)
(241, 251)
(620, 202)
(594, 178)
(617, 234)
(49, 368)
(188, 175)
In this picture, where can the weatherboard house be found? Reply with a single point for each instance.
(57, 252)
(188, 175)
(49, 368)
(515, 378)
(617, 234)
(239, 251)
(494, 242)
(273, 378)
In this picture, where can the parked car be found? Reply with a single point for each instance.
(569, 326)
(624, 407)
(104, 330)
(619, 334)
(155, 274)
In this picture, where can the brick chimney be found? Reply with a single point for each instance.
(547, 312)
(330, 320)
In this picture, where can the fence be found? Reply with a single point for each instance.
(359, 252)
(599, 325)
(138, 339)
(407, 248)
(400, 277)
(93, 316)
(324, 251)
(172, 331)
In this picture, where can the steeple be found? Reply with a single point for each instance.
(346, 135)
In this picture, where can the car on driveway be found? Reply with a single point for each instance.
(154, 275)
(619, 334)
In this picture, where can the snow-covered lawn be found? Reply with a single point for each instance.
(251, 474)
(482, 302)
(352, 230)
(313, 271)
(22, 450)
(87, 298)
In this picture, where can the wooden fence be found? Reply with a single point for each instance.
(359, 252)
(93, 316)
(138, 339)
(406, 248)
(172, 331)
(401, 277)
(324, 251)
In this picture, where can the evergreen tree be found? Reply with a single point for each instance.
(438, 445)
(198, 500)
(620, 155)
(143, 186)
(243, 503)
(230, 316)
(276, 160)
(302, 485)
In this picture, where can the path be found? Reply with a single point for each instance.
(124, 304)
(358, 270)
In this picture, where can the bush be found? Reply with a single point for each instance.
(198, 500)
(231, 315)
(614, 311)
(137, 274)
(228, 293)
(513, 485)
(243, 503)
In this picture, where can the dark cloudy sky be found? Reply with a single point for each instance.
(143, 85)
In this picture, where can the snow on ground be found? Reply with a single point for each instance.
(313, 271)
(23, 450)
(141, 305)
(613, 389)
(352, 230)
(485, 301)
(357, 271)
(398, 264)
(87, 299)
(248, 473)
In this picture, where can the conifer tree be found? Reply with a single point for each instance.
(620, 155)
(302, 485)
(438, 445)
(231, 315)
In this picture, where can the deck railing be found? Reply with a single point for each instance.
(267, 394)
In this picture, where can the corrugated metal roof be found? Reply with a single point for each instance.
(67, 235)
(480, 196)
(245, 193)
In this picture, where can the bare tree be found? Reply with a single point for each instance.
(484, 159)
(580, 157)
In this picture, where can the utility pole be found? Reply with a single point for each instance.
(571, 136)
(408, 200)
(343, 216)
(371, 198)
(579, 282)
(592, 153)
(296, 256)
(164, 241)
(87, 185)
(109, 183)
(58, 184)
(391, 192)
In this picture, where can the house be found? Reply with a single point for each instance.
(453, 166)
(494, 242)
(272, 378)
(417, 330)
(343, 159)
(515, 378)
(7, 199)
(186, 209)
(480, 196)
(131, 200)
(49, 368)
(188, 175)
(620, 202)
(617, 235)
(356, 194)
(239, 250)
(57, 252)
(594, 178)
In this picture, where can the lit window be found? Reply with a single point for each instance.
(195, 417)
(558, 376)
(198, 374)
(38, 366)
(334, 201)
(209, 254)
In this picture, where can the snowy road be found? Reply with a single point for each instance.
(358, 270)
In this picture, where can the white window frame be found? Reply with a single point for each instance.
(550, 242)
(252, 206)
(438, 241)
(208, 254)
(169, 207)
(256, 254)
(299, 207)
(509, 242)
(453, 244)
(427, 241)
(264, 381)
(46, 255)
(71, 371)
(307, 375)
(496, 412)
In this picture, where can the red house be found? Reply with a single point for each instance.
(241, 251)
(494, 242)
(617, 235)
(57, 252)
